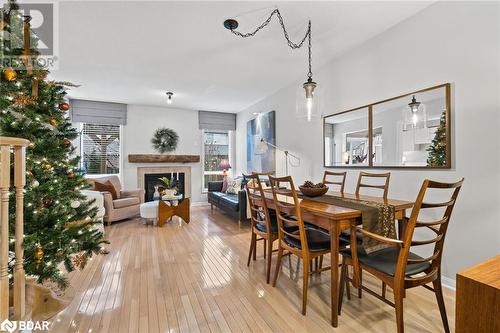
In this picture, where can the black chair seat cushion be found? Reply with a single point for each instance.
(346, 236)
(274, 223)
(385, 260)
(317, 240)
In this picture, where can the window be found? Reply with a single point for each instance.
(216, 147)
(100, 149)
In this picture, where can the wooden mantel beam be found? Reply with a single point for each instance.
(163, 158)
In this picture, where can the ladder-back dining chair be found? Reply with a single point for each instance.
(396, 265)
(335, 178)
(382, 186)
(306, 243)
(263, 221)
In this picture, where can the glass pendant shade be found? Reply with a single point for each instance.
(415, 116)
(307, 101)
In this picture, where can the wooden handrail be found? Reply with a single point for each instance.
(17, 147)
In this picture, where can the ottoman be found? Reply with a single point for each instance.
(149, 211)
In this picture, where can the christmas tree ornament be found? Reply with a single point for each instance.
(53, 122)
(66, 142)
(75, 204)
(3, 24)
(64, 106)
(23, 100)
(46, 166)
(71, 174)
(45, 202)
(35, 184)
(60, 253)
(38, 254)
(80, 260)
(9, 74)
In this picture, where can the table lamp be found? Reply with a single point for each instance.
(224, 165)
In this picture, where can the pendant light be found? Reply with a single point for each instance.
(169, 97)
(307, 107)
(413, 105)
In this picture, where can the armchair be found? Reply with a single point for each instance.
(126, 203)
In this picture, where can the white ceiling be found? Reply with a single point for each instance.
(133, 52)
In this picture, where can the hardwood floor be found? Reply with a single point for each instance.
(194, 278)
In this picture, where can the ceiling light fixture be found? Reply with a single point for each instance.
(309, 86)
(169, 96)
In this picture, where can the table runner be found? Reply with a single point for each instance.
(376, 217)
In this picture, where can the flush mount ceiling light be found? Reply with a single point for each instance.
(169, 97)
(309, 86)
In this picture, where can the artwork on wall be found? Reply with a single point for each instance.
(262, 127)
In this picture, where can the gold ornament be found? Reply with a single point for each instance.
(80, 260)
(66, 141)
(38, 254)
(9, 74)
(46, 166)
(71, 174)
(64, 106)
(53, 122)
(22, 100)
(3, 24)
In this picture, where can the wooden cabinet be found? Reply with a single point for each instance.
(478, 298)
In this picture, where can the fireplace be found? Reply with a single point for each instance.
(153, 179)
(155, 172)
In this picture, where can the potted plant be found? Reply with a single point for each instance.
(170, 187)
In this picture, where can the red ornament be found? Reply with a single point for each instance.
(45, 202)
(64, 106)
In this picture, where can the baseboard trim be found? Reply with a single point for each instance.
(448, 283)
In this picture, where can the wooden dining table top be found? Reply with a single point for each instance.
(338, 212)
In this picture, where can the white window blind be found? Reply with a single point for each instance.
(100, 149)
(217, 120)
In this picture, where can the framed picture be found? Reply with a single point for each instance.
(263, 127)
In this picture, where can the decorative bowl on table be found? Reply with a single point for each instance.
(310, 189)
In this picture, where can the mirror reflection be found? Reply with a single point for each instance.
(346, 138)
(407, 131)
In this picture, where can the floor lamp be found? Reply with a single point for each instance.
(264, 145)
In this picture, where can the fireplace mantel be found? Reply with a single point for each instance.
(162, 158)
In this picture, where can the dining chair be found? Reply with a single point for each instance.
(396, 265)
(370, 182)
(263, 221)
(305, 243)
(327, 179)
(368, 175)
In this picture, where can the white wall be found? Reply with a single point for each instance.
(455, 42)
(142, 121)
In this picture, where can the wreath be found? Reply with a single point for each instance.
(165, 140)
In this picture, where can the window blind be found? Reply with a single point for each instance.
(92, 112)
(100, 149)
(217, 120)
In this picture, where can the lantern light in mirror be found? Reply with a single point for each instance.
(414, 106)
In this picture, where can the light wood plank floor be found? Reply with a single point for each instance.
(194, 278)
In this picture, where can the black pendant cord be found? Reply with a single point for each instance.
(291, 44)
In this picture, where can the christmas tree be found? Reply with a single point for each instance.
(437, 149)
(59, 227)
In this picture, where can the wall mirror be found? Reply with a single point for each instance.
(407, 131)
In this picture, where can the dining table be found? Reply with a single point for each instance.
(334, 219)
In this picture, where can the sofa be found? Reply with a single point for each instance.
(234, 205)
(126, 203)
